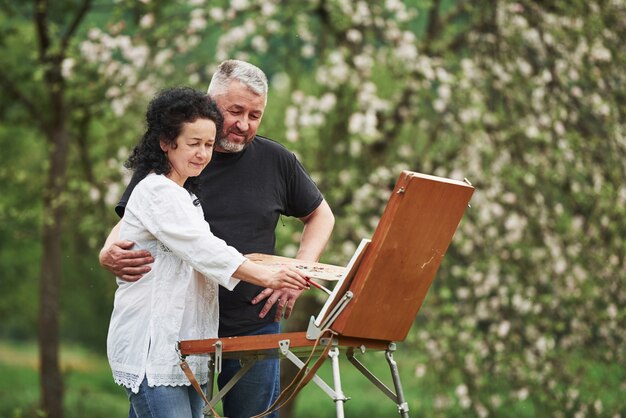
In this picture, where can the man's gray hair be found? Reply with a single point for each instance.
(250, 75)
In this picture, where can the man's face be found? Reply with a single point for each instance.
(242, 110)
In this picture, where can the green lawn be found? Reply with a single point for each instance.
(89, 387)
(90, 391)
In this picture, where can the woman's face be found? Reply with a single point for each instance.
(193, 150)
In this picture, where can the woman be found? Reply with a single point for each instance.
(177, 299)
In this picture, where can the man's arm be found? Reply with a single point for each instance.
(117, 257)
(318, 226)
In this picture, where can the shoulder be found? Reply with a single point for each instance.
(270, 145)
(156, 195)
(273, 152)
(157, 186)
(152, 181)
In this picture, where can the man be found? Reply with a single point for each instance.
(250, 182)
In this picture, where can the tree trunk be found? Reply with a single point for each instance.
(54, 125)
(53, 205)
(50, 280)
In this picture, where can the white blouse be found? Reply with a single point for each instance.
(177, 299)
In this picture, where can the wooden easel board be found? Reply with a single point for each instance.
(314, 270)
(263, 345)
(405, 252)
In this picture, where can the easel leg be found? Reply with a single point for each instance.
(246, 365)
(398, 396)
(340, 398)
(403, 407)
(209, 387)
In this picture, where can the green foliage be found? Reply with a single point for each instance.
(20, 174)
(523, 98)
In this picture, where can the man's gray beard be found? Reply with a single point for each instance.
(228, 146)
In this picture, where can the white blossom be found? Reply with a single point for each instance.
(522, 394)
(268, 8)
(354, 36)
(216, 14)
(197, 21)
(307, 50)
(600, 53)
(238, 4)
(146, 21)
(420, 370)
(503, 329)
(259, 43)
(67, 67)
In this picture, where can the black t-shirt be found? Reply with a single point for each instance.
(243, 195)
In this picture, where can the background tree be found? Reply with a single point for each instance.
(53, 30)
(523, 98)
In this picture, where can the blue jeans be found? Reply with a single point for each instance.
(257, 389)
(165, 402)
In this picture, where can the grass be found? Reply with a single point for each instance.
(91, 392)
(89, 387)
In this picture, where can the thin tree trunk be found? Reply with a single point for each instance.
(54, 125)
(53, 206)
(50, 280)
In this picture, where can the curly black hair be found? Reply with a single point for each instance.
(166, 114)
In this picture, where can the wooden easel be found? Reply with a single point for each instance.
(380, 293)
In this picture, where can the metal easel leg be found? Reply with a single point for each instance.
(403, 407)
(245, 366)
(209, 387)
(340, 398)
(398, 396)
(334, 393)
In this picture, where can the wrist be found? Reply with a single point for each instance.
(101, 255)
(267, 279)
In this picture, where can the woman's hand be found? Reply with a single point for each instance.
(284, 278)
(287, 278)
